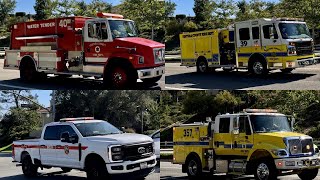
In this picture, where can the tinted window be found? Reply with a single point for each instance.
(66, 128)
(54, 132)
(51, 133)
(244, 124)
(244, 34)
(266, 32)
(96, 129)
(255, 33)
(157, 135)
(224, 125)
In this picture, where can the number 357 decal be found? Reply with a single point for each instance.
(187, 132)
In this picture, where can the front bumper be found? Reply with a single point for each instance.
(298, 163)
(303, 62)
(131, 166)
(151, 72)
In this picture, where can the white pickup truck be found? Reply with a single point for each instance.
(94, 146)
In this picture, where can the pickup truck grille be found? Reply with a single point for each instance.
(304, 48)
(300, 146)
(139, 151)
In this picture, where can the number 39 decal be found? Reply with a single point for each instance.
(244, 43)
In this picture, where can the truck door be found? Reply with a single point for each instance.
(48, 143)
(244, 40)
(68, 152)
(96, 49)
(242, 136)
(223, 137)
(271, 43)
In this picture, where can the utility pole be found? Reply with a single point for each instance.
(53, 105)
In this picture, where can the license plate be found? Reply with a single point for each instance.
(143, 165)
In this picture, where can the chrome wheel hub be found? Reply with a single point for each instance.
(263, 171)
(258, 68)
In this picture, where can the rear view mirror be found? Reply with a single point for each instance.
(271, 32)
(65, 137)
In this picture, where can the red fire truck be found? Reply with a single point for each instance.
(105, 47)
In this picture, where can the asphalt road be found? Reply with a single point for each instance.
(9, 79)
(9, 171)
(183, 78)
(171, 171)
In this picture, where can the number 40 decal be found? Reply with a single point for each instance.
(64, 22)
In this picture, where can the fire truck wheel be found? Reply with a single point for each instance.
(120, 77)
(258, 67)
(28, 72)
(151, 80)
(29, 169)
(287, 70)
(65, 170)
(308, 174)
(194, 168)
(202, 66)
(265, 170)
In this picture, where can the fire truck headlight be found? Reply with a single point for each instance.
(279, 152)
(292, 50)
(141, 60)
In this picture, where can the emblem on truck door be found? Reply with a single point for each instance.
(66, 149)
(97, 49)
(141, 150)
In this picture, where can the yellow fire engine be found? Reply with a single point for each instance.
(255, 141)
(257, 45)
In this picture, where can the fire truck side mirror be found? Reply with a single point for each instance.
(292, 123)
(271, 32)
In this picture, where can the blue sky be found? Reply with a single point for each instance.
(183, 6)
(44, 96)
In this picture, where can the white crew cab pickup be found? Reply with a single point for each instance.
(94, 146)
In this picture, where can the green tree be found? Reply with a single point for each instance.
(223, 11)
(65, 8)
(41, 9)
(98, 6)
(202, 10)
(6, 7)
(81, 8)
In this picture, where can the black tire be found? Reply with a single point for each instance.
(28, 168)
(202, 66)
(308, 174)
(193, 167)
(151, 81)
(287, 70)
(28, 72)
(258, 67)
(96, 170)
(265, 170)
(120, 77)
(66, 170)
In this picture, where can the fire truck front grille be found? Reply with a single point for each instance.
(136, 152)
(158, 55)
(304, 48)
(303, 146)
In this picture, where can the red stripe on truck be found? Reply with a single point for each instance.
(46, 147)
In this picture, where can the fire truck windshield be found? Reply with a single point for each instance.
(294, 30)
(269, 123)
(97, 129)
(122, 29)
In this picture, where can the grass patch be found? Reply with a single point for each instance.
(166, 156)
(7, 148)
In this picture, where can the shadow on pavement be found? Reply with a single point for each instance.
(59, 83)
(5, 154)
(231, 80)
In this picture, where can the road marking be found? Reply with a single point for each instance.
(16, 87)
(183, 89)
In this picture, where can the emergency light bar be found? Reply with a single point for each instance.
(260, 110)
(109, 15)
(288, 19)
(76, 119)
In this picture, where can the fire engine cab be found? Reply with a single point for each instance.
(257, 45)
(255, 141)
(106, 47)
